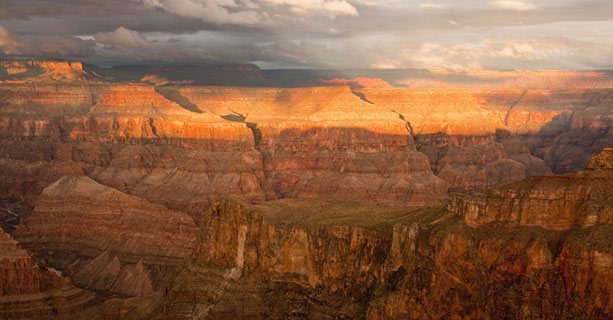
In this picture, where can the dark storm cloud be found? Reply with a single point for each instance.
(315, 33)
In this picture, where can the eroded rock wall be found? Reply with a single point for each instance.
(107, 240)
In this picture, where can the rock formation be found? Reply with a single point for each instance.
(181, 145)
(37, 70)
(425, 264)
(321, 202)
(30, 291)
(552, 202)
(104, 239)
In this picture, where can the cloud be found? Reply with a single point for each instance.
(122, 38)
(514, 5)
(330, 8)
(502, 53)
(53, 46)
(214, 11)
(315, 33)
(252, 12)
(430, 5)
(56, 46)
(9, 42)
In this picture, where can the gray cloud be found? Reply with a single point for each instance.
(55, 46)
(9, 43)
(315, 33)
(122, 38)
(252, 12)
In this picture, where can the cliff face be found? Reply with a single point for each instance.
(28, 290)
(163, 144)
(37, 70)
(425, 264)
(464, 131)
(104, 239)
(181, 145)
(320, 189)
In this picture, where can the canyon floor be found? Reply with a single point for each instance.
(230, 192)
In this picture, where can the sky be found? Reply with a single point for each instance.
(330, 34)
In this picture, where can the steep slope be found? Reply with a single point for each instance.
(41, 70)
(328, 141)
(269, 263)
(30, 291)
(104, 239)
(181, 145)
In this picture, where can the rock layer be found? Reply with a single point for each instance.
(180, 145)
(428, 264)
(28, 290)
(107, 240)
(556, 202)
(333, 171)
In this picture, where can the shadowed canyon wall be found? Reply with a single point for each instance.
(437, 264)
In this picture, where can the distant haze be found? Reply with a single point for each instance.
(328, 34)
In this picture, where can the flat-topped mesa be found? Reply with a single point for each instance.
(181, 144)
(105, 230)
(328, 141)
(41, 70)
(108, 112)
(130, 136)
(510, 79)
(145, 112)
(560, 202)
(29, 291)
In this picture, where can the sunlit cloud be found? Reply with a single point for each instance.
(514, 5)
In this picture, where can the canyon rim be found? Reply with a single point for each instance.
(286, 159)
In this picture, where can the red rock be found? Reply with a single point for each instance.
(30, 291)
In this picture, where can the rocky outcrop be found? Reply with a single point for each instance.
(519, 151)
(105, 273)
(428, 264)
(30, 291)
(326, 178)
(107, 240)
(286, 260)
(41, 70)
(555, 202)
(180, 145)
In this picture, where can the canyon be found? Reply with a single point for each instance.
(230, 192)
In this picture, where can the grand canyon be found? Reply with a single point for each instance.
(234, 192)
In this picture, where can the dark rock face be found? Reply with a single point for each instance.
(439, 265)
(104, 239)
(30, 291)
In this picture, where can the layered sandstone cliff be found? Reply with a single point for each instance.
(118, 173)
(41, 70)
(30, 291)
(158, 143)
(180, 145)
(555, 202)
(273, 262)
(107, 240)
